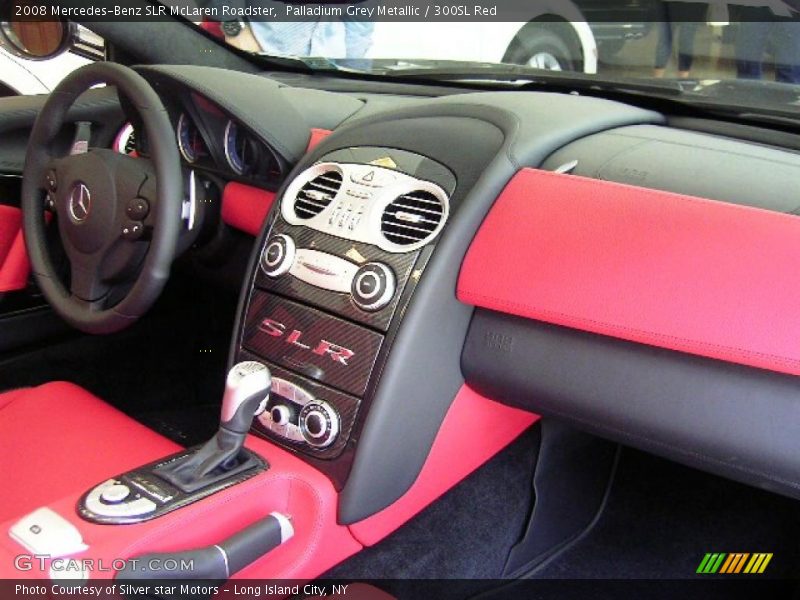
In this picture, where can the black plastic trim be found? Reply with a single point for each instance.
(732, 420)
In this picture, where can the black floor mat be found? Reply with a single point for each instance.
(465, 534)
(661, 518)
(167, 371)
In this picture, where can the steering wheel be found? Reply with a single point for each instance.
(118, 216)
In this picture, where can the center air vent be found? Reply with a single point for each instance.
(317, 194)
(412, 218)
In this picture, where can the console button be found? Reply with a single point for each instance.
(278, 255)
(281, 415)
(315, 425)
(115, 493)
(137, 209)
(51, 180)
(373, 177)
(152, 488)
(323, 270)
(132, 230)
(374, 286)
(368, 285)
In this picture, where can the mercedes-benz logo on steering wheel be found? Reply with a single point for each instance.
(80, 202)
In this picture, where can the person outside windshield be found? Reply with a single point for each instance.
(346, 37)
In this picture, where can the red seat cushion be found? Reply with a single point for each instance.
(58, 439)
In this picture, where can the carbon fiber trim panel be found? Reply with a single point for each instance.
(307, 341)
(357, 253)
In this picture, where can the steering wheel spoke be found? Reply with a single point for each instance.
(86, 284)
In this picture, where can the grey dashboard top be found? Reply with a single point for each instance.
(688, 162)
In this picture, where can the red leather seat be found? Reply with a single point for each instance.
(58, 439)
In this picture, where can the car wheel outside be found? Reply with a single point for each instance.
(542, 49)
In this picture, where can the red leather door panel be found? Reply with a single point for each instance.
(14, 266)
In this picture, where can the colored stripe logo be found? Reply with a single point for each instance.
(734, 563)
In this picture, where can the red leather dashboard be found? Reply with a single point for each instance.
(679, 272)
(245, 207)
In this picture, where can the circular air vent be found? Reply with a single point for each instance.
(317, 194)
(413, 218)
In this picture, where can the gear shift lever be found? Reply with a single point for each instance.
(246, 392)
(247, 389)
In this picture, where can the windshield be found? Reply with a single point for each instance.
(743, 53)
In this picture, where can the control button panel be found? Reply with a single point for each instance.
(114, 499)
(141, 494)
(295, 414)
(129, 498)
(372, 285)
(323, 270)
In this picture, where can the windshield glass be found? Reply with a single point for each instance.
(743, 53)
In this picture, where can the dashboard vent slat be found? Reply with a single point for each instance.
(317, 194)
(412, 218)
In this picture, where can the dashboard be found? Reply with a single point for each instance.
(363, 296)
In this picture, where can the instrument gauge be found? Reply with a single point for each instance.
(190, 142)
(241, 151)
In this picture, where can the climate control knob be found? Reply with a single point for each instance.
(373, 286)
(278, 255)
(319, 423)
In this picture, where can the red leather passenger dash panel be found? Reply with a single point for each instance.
(698, 276)
(245, 207)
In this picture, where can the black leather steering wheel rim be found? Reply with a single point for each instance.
(155, 267)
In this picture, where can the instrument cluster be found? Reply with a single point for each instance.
(208, 139)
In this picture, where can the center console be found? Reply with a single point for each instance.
(335, 271)
(337, 268)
